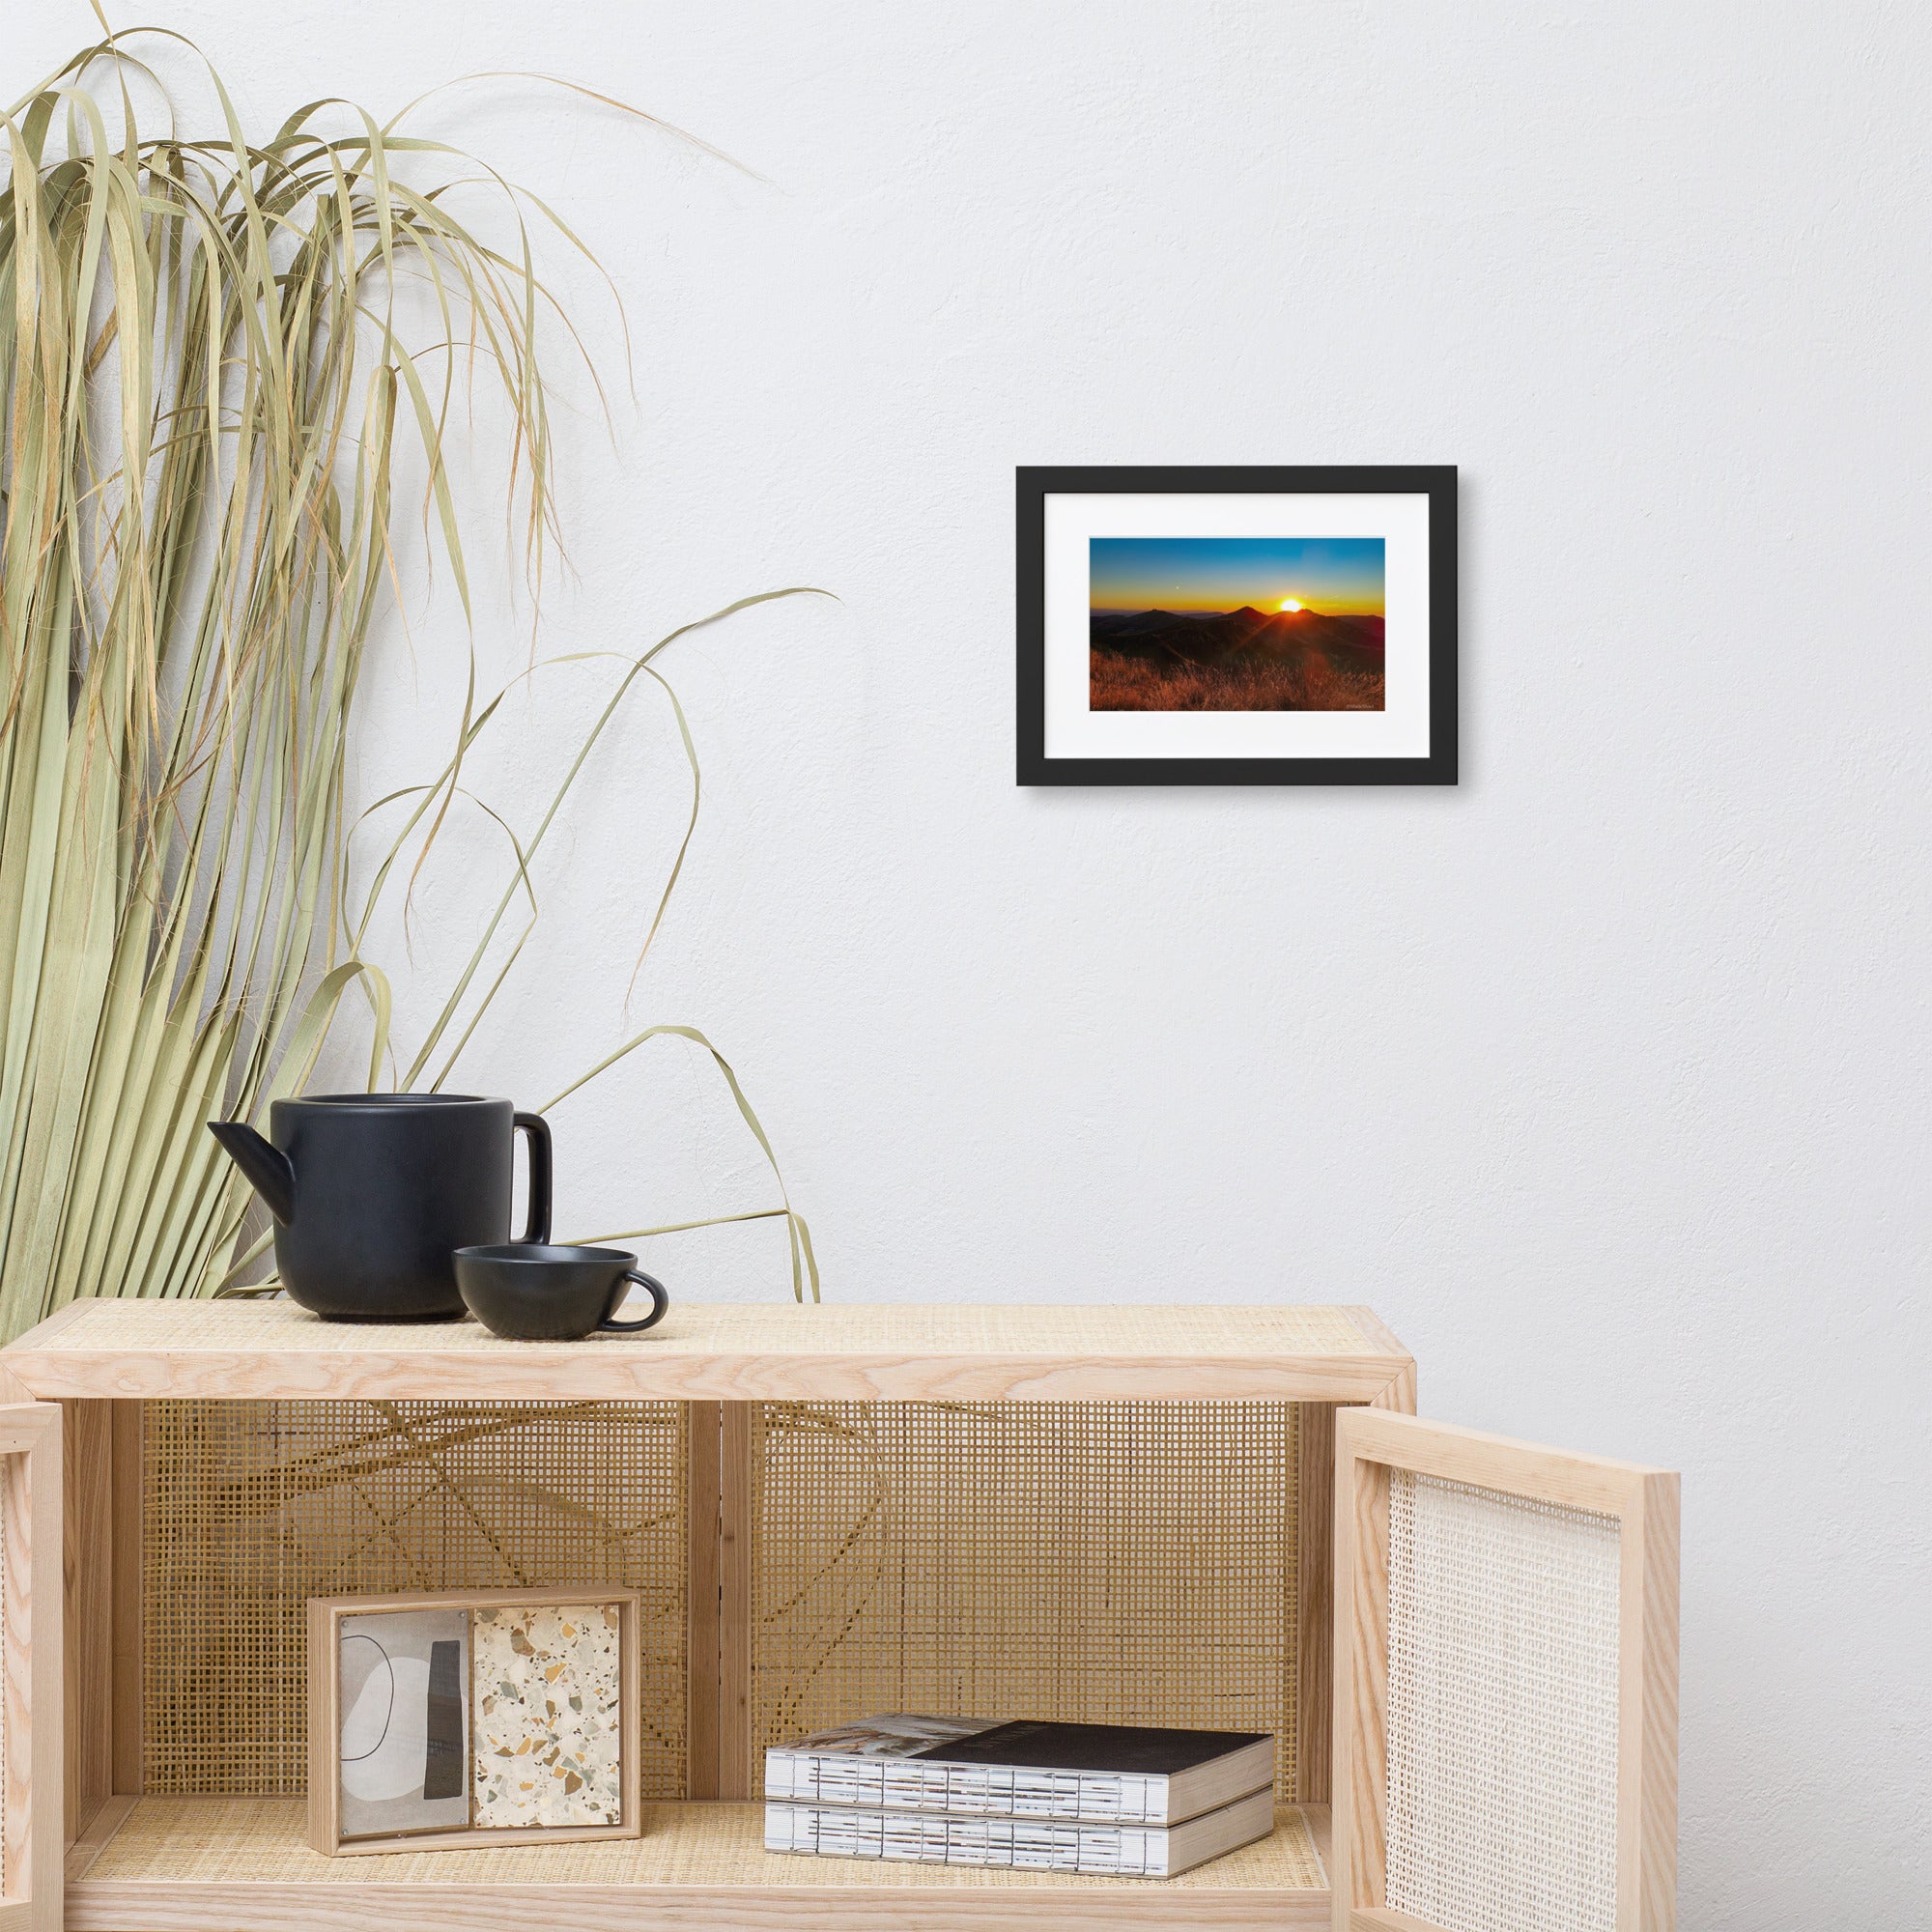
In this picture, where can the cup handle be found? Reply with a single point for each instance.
(660, 1301)
(538, 1129)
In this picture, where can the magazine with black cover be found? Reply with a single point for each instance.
(1125, 1774)
(1021, 1844)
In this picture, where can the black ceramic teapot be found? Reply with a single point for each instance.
(373, 1192)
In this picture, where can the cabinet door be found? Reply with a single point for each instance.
(1505, 1684)
(30, 1667)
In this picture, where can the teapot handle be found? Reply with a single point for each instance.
(537, 1127)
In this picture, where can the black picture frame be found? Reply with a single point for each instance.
(1436, 482)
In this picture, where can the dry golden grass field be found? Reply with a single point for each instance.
(1311, 682)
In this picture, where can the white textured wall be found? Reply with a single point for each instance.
(1603, 1077)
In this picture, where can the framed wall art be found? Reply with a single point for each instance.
(480, 1717)
(1237, 626)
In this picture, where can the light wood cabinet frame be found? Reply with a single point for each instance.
(101, 1361)
(32, 1796)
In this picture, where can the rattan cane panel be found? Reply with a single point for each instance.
(1106, 1562)
(1502, 1710)
(212, 1841)
(250, 1508)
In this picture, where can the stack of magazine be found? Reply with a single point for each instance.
(1104, 1799)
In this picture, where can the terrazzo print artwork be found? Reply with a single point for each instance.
(548, 1727)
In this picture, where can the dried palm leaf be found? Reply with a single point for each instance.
(208, 378)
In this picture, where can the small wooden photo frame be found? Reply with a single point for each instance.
(439, 1721)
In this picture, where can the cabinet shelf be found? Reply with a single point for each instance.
(240, 1865)
(726, 1352)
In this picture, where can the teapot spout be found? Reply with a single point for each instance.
(266, 1166)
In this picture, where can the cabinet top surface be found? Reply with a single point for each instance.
(730, 1351)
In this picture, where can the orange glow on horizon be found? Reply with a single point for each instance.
(1200, 607)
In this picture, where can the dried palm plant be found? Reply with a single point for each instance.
(209, 382)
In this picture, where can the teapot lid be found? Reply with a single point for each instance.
(387, 1101)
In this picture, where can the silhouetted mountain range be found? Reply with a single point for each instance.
(1216, 636)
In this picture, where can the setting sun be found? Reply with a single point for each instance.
(1289, 604)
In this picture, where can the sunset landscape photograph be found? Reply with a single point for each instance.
(1235, 623)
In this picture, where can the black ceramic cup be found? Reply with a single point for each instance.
(529, 1291)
